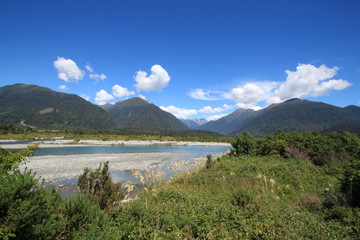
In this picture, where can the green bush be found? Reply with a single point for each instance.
(98, 186)
(27, 209)
(10, 160)
(351, 182)
(241, 198)
(244, 144)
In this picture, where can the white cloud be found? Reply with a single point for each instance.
(89, 68)
(85, 96)
(215, 117)
(98, 77)
(325, 87)
(202, 94)
(308, 80)
(248, 95)
(209, 109)
(158, 79)
(102, 97)
(119, 91)
(63, 87)
(142, 96)
(68, 70)
(179, 112)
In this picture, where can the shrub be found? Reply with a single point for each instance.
(27, 209)
(209, 161)
(351, 182)
(241, 198)
(10, 160)
(98, 186)
(244, 144)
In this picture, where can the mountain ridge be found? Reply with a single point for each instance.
(44, 108)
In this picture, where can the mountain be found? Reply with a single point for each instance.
(194, 123)
(43, 108)
(354, 110)
(136, 114)
(301, 115)
(293, 114)
(227, 124)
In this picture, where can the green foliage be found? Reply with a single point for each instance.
(209, 161)
(244, 144)
(27, 209)
(11, 160)
(241, 197)
(85, 220)
(351, 182)
(98, 186)
(321, 149)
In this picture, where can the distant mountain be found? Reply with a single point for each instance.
(136, 114)
(43, 108)
(293, 114)
(354, 110)
(301, 115)
(194, 123)
(227, 124)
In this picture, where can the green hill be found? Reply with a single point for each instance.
(42, 108)
(297, 114)
(136, 114)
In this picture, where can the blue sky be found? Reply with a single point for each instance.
(193, 58)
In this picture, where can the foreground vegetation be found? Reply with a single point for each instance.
(286, 186)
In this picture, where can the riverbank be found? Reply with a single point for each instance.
(58, 167)
(82, 143)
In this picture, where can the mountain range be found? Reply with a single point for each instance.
(293, 114)
(194, 123)
(42, 108)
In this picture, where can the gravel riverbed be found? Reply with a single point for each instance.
(58, 167)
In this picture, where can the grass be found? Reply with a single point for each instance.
(240, 198)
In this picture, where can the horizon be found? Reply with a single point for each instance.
(194, 59)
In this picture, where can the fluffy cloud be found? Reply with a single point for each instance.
(158, 79)
(179, 112)
(325, 87)
(209, 109)
(202, 94)
(63, 87)
(119, 91)
(85, 96)
(142, 96)
(102, 97)
(68, 70)
(89, 68)
(98, 77)
(215, 117)
(248, 95)
(308, 80)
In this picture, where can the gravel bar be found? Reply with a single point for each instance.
(58, 167)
